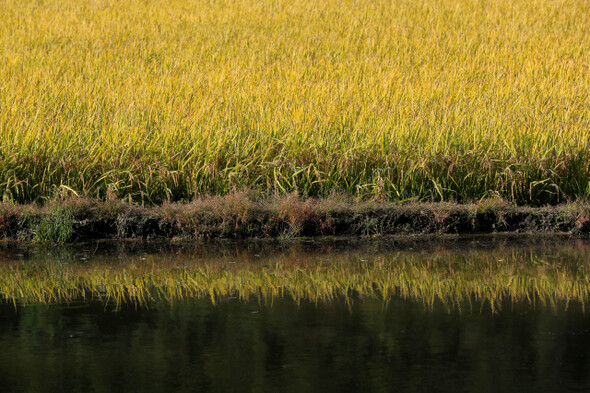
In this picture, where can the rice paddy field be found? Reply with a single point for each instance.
(167, 100)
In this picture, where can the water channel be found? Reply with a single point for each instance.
(530, 332)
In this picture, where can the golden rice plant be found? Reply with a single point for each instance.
(159, 100)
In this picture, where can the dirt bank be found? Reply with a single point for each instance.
(244, 215)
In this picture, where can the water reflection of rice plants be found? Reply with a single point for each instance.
(454, 281)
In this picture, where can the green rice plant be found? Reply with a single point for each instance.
(169, 99)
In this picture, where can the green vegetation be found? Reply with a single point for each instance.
(54, 226)
(454, 278)
(166, 100)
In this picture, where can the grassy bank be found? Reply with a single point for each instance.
(455, 278)
(166, 100)
(253, 215)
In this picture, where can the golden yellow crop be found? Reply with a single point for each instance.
(168, 99)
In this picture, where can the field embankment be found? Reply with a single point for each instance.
(166, 100)
(248, 215)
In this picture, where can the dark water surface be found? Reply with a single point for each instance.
(235, 346)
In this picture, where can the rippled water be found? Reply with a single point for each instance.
(360, 345)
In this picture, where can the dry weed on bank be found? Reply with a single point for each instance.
(254, 215)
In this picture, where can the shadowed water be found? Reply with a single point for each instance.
(359, 344)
